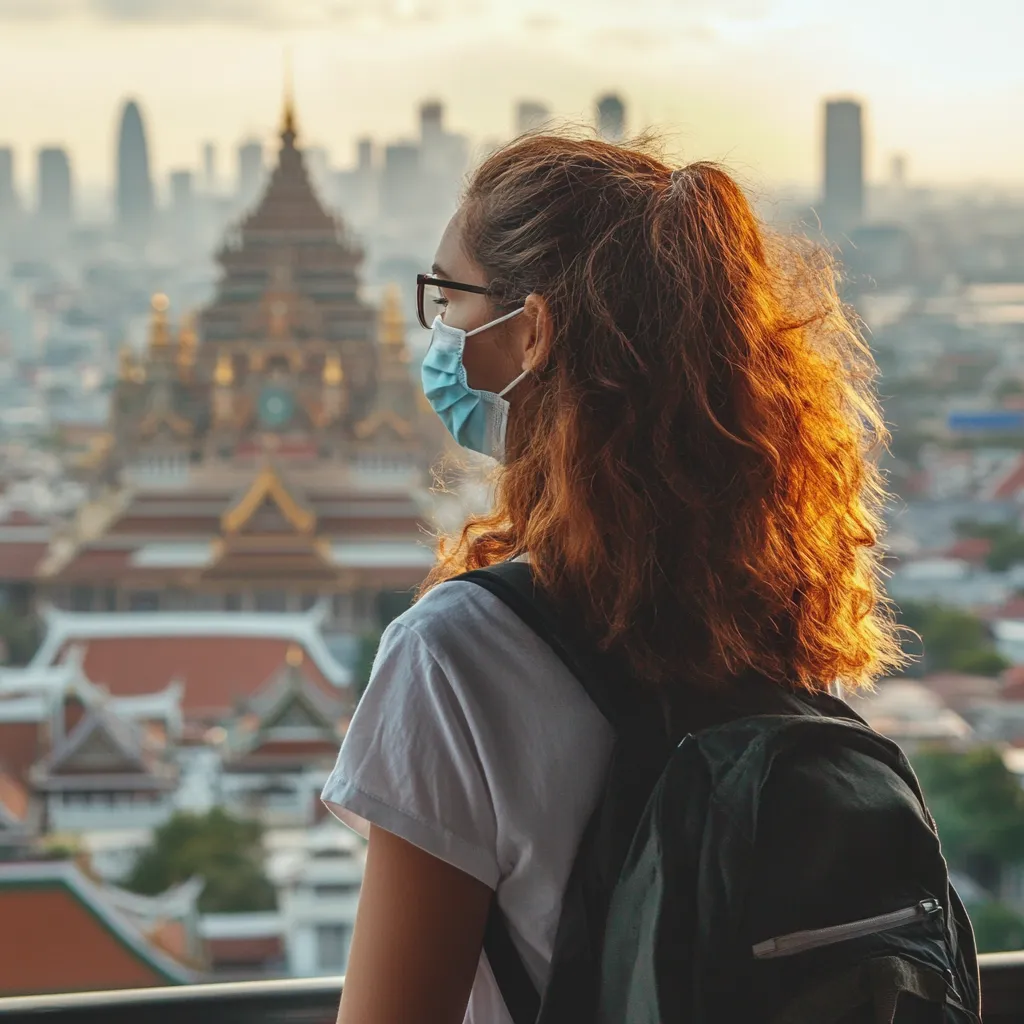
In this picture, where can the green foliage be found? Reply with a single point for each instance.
(1007, 542)
(20, 635)
(997, 928)
(225, 851)
(952, 640)
(978, 805)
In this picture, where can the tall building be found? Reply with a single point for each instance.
(843, 198)
(209, 167)
(530, 116)
(182, 191)
(364, 155)
(431, 123)
(54, 188)
(400, 197)
(8, 190)
(250, 171)
(134, 183)
(611, 117)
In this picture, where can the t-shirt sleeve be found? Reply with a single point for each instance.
(409, 763)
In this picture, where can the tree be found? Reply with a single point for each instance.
(19, 635)
(226, 852)
(997, 928)
(950, 639)
(978, 806)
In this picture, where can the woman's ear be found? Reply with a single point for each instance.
(538, 332)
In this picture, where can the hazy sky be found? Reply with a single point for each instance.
(736, 80)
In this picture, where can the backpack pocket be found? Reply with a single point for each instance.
(892, 968)
(816, 938)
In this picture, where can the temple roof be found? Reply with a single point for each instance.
(75, 934)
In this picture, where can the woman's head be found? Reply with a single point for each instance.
(688, 459)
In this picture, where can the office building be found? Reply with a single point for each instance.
(134, 183)
(250, 171)
(400, 181)
(611, 118)
(530, 116)
(54, 188)
(843, 198)
(8, 190)
(182, 191)
(209, 167)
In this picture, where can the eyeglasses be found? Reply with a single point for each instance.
(428, 293)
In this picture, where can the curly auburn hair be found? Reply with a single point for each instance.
(692, 466)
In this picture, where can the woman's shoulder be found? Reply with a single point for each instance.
(456, 613)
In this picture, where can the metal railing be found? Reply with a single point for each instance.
(315, 1001)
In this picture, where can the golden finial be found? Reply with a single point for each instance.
(224, 372)
(391, 324)
(125, 363)
(294, 655)
(158, 332)
(187, 342)
(333, 373)
(288, 126)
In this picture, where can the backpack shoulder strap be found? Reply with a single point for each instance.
(513, 584)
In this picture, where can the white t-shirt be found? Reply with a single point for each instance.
(475, 743)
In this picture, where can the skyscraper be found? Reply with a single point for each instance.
(8, 192)
(611, 117)
(250, 170)
(843, 199)
(209, 167)
(54, 188)
(431, 123)
(182, 192)
(134, 184)
(530, 116)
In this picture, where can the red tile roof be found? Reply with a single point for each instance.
(970, 549)
(19, 560)
(20, 747)
(63, 945)
(13, 797)
(93, 565)
(246, 952)
(216, 672)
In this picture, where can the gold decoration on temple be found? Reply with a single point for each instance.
(224, 372)
(288, 122)
(125, 363)
(159, 334)
(333, 373)
(391, 325)
(268, 486)
(188, 342)
(294, 655)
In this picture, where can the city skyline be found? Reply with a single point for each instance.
(740, 81)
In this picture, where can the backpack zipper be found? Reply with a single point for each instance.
(798, 942)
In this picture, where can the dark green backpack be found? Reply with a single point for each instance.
(778, 864)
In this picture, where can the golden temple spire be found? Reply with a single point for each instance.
(159, 335)
(125, 363)
(187, 342)
(333, 373)
(289, 128)
(224, 372)
(391, 325)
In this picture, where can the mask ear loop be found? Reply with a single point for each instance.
(494, 323)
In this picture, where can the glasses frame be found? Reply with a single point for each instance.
(422, 280)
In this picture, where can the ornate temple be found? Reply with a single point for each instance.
(272, 451)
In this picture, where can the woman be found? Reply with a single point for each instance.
(684, 421)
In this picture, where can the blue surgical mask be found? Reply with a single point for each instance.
(476, 419)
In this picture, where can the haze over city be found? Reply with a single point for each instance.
(736, 80)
